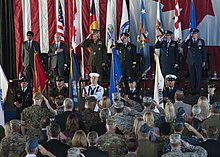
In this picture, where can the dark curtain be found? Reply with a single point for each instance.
(7, 40)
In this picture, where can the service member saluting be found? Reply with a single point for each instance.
(98, 52)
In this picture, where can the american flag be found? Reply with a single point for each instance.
(60, 21)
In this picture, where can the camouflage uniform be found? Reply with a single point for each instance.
(90, 118)
(213, 120)
(125, 121)
(33, 115)
(196, 151)
(113, 143)
(191, 140)
(13, 145)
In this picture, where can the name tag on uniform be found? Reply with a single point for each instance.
(173, 45)
(199, 43)
(99, 43)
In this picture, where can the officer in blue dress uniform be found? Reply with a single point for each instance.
(196, 58)
(133, 92)
(169, 58)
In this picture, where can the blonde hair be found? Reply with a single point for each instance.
(138, 122)
(149, 119)
(170, 113)
(7, 128)
(79, 139)
(205, 106)
(104, 103)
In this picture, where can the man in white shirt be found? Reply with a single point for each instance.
(94, 89)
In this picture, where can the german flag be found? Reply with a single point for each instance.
(39, 77)
(93, 21)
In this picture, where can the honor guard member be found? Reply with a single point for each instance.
(94, 89)
(170, 87)
(168, 56)
(196, 58)
(134, 93)
(22, 97)
(61, 88)
(98, 52)
(126, 55)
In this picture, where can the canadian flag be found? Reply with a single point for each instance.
(177, 23)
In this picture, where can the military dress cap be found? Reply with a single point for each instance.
(144, 128)
(171, 77)
(168, 32)
(24, 79)
(132, 79)
(32, 144)
(94, 31)
(175, 138)
(180, 111)
(30, 33)
(59, 78)
(124, 34)
(94, 75)
(216, 105)
(38, 96)
(194, 30)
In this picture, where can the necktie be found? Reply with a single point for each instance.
(29, 45)
(57, 46)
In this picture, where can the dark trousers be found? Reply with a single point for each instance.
(195, 72)
(28, 73)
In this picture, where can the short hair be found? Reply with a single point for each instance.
(104, 114)
(54, 129)
(178, 126)
(59, 100)
(38, 96)
(179, 95)
(79, 139)
(30, 33)
(212, 132)
(132, 144)
(92, 138)
(44, 122)
(91, 101)
(15, 124)
(68, 103)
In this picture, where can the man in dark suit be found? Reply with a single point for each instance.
(22, 97)
(211, 145)
(68, 110)
(93, 150)
(97, 54)
(54, 145)
(169, 60)
(170, 89)
(196, 58)
(126, 56)
(59, 57)
(27, 55)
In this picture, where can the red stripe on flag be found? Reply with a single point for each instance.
(51, 5)
(102, 17)
(18, 25)
(85, 30)
(68, 21)
(35, 24)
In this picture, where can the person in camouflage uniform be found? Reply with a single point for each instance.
(111, 142)
(123, 122)
(90, 117)
(32, 115)
(175, 142)
(13, 145)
